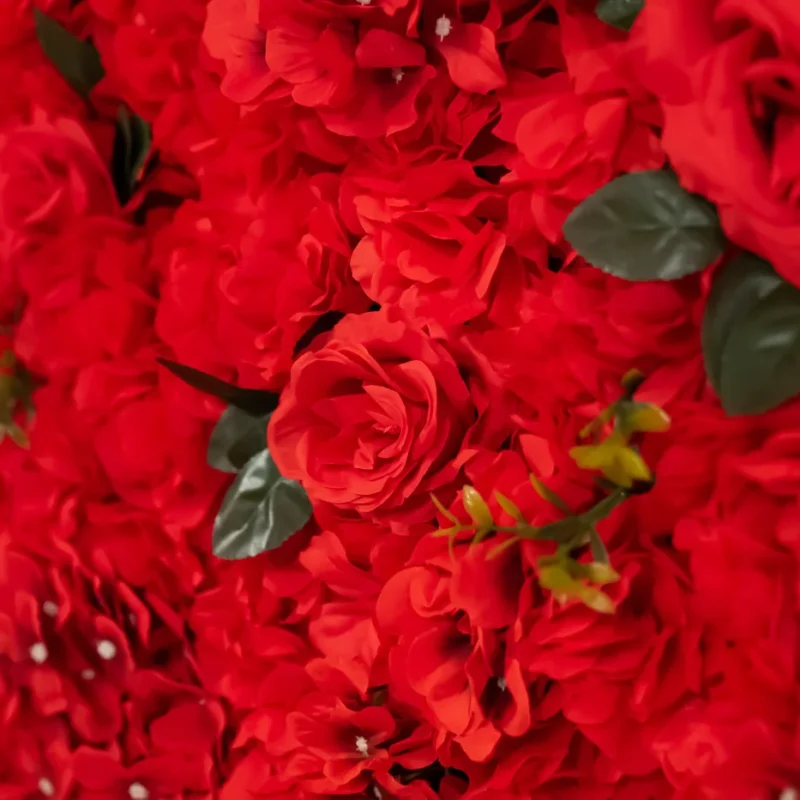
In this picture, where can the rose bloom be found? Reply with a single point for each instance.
(574, 127)
(372, 419)
(50, 173)
(728, 76)
(148, 49)
(434, 244)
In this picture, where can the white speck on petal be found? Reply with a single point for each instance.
(88, 674)
(38, 652)
(501, 682)
(377, 792)
(50, 608)
(106, 649)
(138, 792)
(443, 27)
(397, 74)
(788, 794)
(363, 2)
(362, 745)
(46, 787)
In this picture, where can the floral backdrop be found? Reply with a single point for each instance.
(398, 399)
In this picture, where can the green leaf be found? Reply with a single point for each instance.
(644, 226)
(549, 495)
(598, 548)
(738, 288)
(619, 13)
(132, 140)
(322, 324)
(260, 512)
(77, 61)
(253, 401)
(563, 531)
(236, 438)
(751, 337)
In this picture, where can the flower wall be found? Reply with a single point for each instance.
(399, 399)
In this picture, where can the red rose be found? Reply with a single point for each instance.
(575, 129)
(88, 297)
(241, 290)
(728, 76)
(148, 48)
(372, 419)
(150, 449)
(569, 146)
(50, 175)
(434, 244)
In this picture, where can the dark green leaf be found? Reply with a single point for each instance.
(737, 289)
(236, 438)
(260, 512)
(322, 324)
(619, 13)
(751, 337)
(549, 495)
(644, 226)
(76, 60)
(131, 147)
(599, 552)
(254, 401)
(563, 531)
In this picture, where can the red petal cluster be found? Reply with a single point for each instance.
(403, 167)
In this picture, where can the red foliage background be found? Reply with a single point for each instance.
(315, 156)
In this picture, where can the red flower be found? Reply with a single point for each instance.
(146, 443)
(232, 34)
(101, 775)
(371, 419)
(472, 691)
(309, 158)
(569, 145)
(425, 249)
(88, 297)
(149, 49)
(71, 658)
(51, 176)
(241, 289)
(468, 48)
(362, 85)
(35, 754)
(729, 95)
(246, 648)
(342, 744)
(709, 749)
(344, 631)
